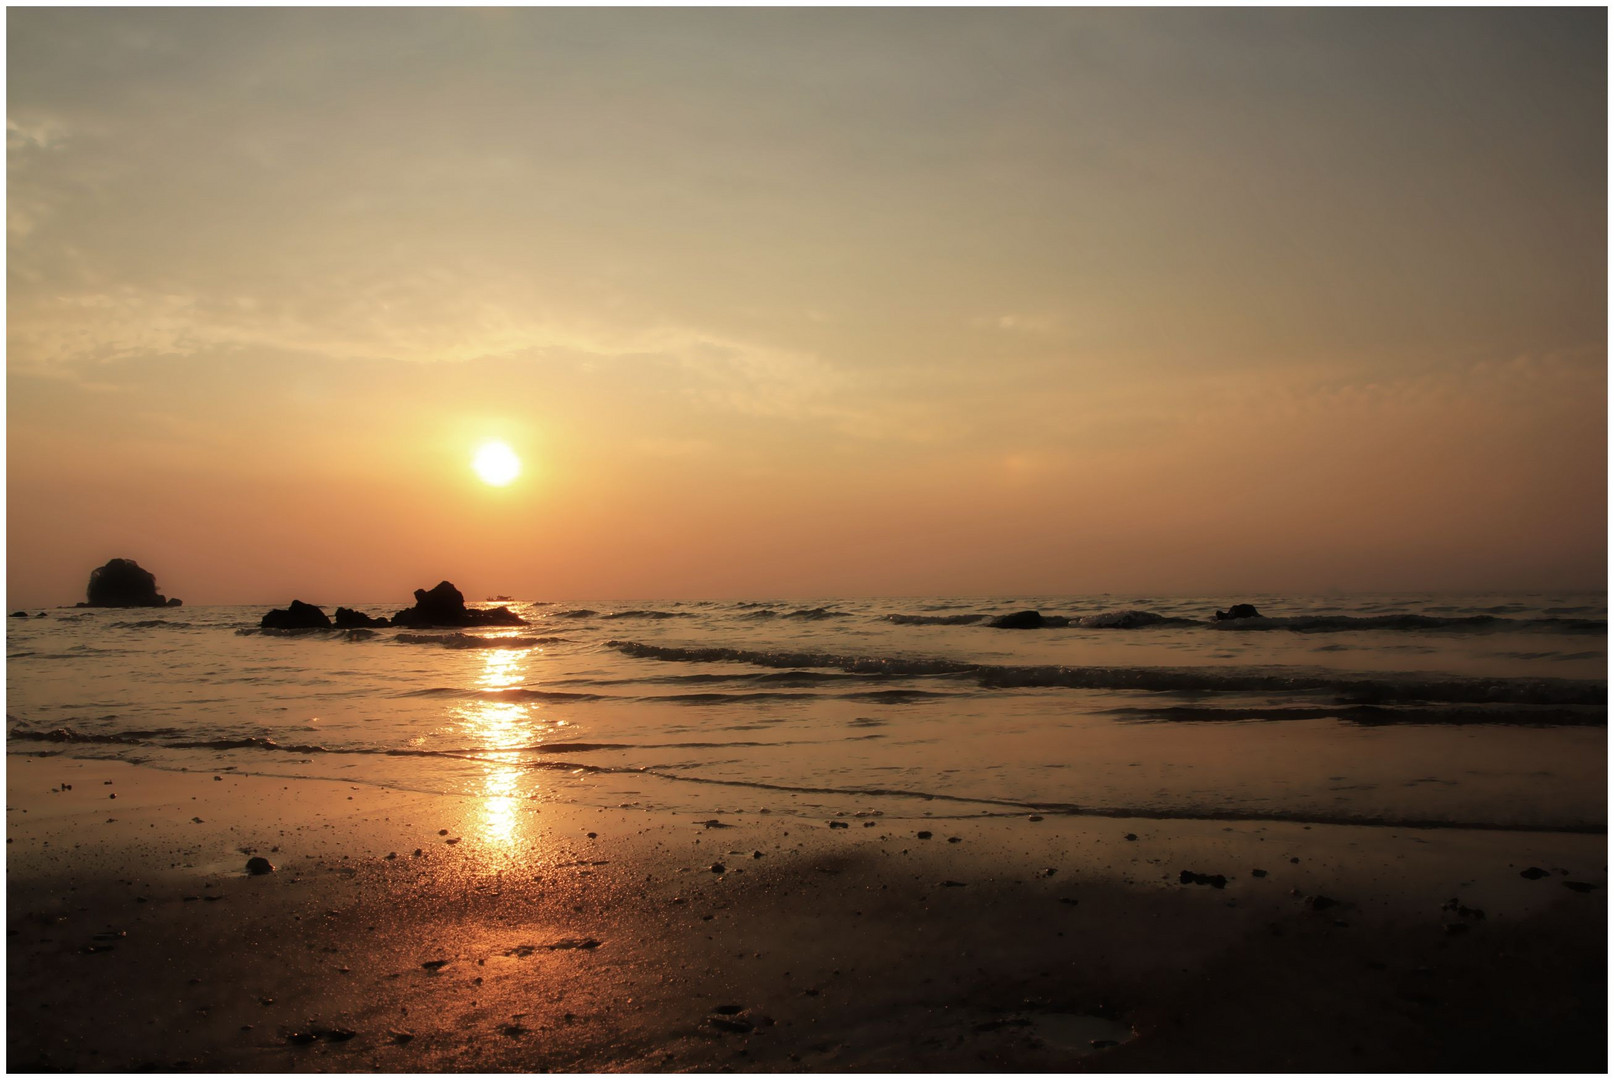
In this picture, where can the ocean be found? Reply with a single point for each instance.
(1424, 711)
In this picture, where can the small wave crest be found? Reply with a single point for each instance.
(933, 620)
(1359, 689)
(474, 641)
(857, 665)
(1406, 621)
(508, 693)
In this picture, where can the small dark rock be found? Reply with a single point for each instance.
(839, 825)
(1215, 881)
(260, 865)
(1320, 903)
(729, 1010)
(1131, 836)
(724, 1023)
(1028, 620)
(434, 965)
(348, 619)
(19, 614)
(1579, 886)
(1238, 611)
(924, 834)
(1258, 873)
(718, 868)
(1533, 873)
(1020, 620)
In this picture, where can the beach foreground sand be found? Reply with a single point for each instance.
(416, 932)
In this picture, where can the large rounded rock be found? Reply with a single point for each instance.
(122, 583)
(444, 605)
(1238, 611)
(299, 616)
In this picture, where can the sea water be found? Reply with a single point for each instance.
(1471, 711)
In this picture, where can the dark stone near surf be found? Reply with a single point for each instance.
(1533, 873)
(122, 583)
(1238, 611)
(19, 614)
(1258, 873)
(1027, 620)
(444, 605)
(1215, 881)
(41, 615)
(260, 865)
(348, 619)
(299, 616)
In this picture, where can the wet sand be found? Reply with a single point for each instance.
(540, 935)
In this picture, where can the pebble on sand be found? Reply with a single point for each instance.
(260, 865)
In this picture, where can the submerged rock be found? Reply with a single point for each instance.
(122, 583)
(1238, 611)
(299, 616)
(19, 614)
(1120, 620)
(444, 605)
(1028, 620)
(348, 619)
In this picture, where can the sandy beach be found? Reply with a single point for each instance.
(423, 932)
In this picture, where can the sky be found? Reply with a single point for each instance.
(792, 303)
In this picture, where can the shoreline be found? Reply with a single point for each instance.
(599, 938)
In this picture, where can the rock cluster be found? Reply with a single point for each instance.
(440, 606)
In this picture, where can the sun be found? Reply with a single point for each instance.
(496, 464)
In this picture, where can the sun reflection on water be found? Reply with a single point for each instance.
(501, 733)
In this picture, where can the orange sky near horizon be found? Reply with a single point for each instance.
(794, 303)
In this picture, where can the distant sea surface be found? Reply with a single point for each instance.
(1475, 711)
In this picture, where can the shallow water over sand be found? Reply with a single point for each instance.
(1478, 711)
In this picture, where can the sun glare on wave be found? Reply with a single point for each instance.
(496, 464)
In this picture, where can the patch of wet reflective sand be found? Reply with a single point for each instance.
(583, 938)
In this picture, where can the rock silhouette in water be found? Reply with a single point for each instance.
(299, 616)
(444, 605)
(122, 583)
(348, 619)
(1239, 611)
(1028, 620)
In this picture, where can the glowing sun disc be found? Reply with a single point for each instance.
(496, 464)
